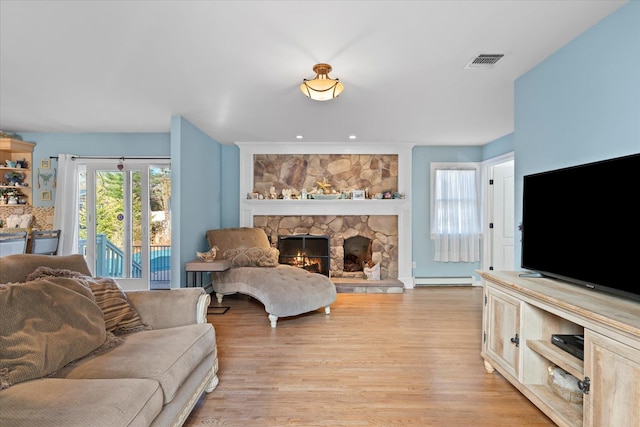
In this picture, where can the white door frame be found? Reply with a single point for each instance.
(487, 203)
(127, 282)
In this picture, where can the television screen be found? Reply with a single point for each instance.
(582, 224)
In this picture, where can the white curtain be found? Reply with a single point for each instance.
(455, 225)
(65, 216)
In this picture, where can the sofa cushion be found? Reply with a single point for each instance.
(165, 355)
(16, 268)
(252, 257)
(44, 326)
(81, 403)
(233, 238)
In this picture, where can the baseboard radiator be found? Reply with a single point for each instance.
(445, 281)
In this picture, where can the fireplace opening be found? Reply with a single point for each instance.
(305, 251)
(357, 251)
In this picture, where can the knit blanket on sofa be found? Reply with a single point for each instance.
(44, 325)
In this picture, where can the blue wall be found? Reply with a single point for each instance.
(498, 147)
(195, 191)
(581, 104)
(423, 247)
(230, 204)
(93, 144)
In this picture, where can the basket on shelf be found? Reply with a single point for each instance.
(564, 385)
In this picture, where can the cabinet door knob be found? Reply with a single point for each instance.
(516, 340)
(585, 385)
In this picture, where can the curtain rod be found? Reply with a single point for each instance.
(123, 158)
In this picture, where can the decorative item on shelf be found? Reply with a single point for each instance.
(303, 194)
(327, 196)
(10, 163)
(564, 385)
(357, 195)
(322, 87)
(14, 177)
(286, 193)
(208, 256)
(323, 185)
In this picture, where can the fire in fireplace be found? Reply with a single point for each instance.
(305, 251)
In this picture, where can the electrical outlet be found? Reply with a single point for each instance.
(413, 264)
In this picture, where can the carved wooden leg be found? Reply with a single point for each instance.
(219, 297)
(273, 319)
(327, 310)
(488, 367)
(213, 383)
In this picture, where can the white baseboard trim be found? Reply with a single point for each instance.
(433, 281)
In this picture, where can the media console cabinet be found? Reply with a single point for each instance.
(520, 315)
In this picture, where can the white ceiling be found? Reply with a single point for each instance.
(232, 68)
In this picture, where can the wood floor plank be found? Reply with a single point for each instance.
(410, 359)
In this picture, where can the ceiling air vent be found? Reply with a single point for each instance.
(484, 61)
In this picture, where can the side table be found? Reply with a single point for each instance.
(196, 270)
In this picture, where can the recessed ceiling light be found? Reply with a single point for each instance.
(352, 137)
(298, 136)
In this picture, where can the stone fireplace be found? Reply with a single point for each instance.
(385, 223)
(380, 230)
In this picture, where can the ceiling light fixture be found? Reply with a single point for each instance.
(322, 87)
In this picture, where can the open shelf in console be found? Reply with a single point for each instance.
(539, 354)
(557, 356)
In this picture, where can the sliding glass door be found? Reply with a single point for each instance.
(126, 222)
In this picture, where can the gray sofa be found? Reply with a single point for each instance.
(151, 376)
(284, 290)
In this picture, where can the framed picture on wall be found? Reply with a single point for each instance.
(357, 195)
(45, 164)
(45, 195)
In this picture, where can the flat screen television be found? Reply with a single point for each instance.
(581, 224)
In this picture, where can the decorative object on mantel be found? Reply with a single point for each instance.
(322, 87)
(323, 185)
(286, 193)
(208, 256)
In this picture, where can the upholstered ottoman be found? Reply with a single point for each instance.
(284, 290)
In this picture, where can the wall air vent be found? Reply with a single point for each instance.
(484, 61)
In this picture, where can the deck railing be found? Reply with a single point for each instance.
(110, 260)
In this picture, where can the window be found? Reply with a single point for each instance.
(455, 218)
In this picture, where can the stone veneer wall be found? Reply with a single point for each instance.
(381, 229)
(375, 173)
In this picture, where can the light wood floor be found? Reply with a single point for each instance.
(409, 359)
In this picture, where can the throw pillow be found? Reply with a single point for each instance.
(120, 317)
(252, 257)
(43, 327)
(52, 272)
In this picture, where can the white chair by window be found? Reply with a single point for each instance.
(45, 242)
(13, 243)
